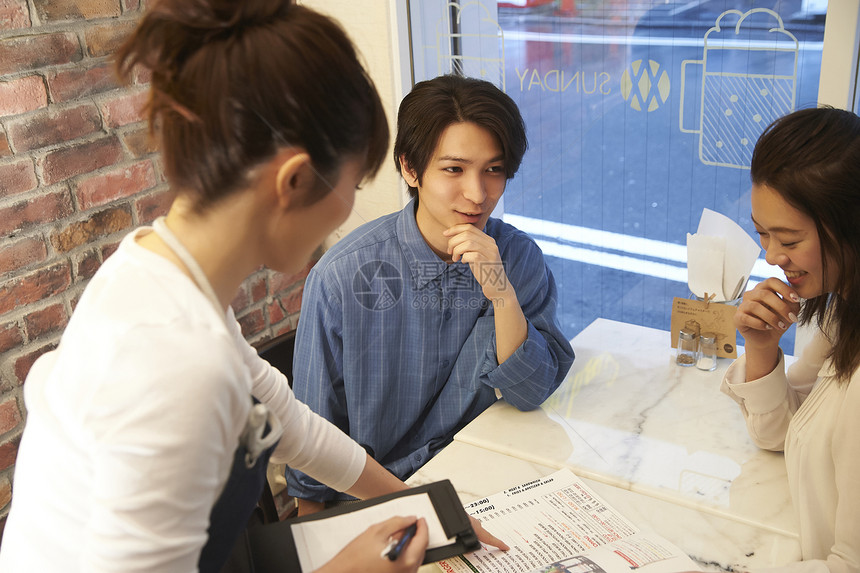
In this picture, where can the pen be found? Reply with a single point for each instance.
(398, 546)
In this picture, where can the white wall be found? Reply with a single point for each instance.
(373, 27)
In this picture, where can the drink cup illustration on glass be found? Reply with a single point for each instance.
(749, 78)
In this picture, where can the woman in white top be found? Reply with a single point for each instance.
(806, 208)
(268, 122)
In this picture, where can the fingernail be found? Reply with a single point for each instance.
(794, 297)
(792, 317)
(769, 327)
(781, 324)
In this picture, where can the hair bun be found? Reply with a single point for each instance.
(205, 19)
(232, 14)
(171, 31)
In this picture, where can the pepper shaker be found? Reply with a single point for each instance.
(687, 348)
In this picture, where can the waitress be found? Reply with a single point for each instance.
(150, 426)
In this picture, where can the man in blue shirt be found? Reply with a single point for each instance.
(416, 322)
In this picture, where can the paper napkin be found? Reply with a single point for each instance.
(720, 257)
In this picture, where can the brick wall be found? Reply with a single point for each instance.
(77, 172)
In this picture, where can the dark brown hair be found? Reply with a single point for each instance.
(435, 104)
(234, 81)
(812, 159)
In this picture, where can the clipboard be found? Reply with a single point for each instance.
(273, 545)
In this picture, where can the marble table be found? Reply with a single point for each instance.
(659, 442)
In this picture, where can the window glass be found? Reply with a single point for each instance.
(640, 115)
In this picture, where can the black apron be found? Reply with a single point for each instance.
(232, 511)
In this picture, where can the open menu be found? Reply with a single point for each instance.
(556, 524)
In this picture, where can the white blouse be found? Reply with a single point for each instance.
(133, 422)
(816, 421)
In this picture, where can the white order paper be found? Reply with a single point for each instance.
(317, 542)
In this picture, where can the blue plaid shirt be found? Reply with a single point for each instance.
(398, 349)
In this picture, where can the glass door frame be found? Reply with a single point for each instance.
(839, 67)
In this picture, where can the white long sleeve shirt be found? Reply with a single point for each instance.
(816, 420)
(133, 422)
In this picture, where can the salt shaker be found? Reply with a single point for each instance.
(707, 354)
(687, 348)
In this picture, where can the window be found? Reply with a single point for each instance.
(640, 114)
